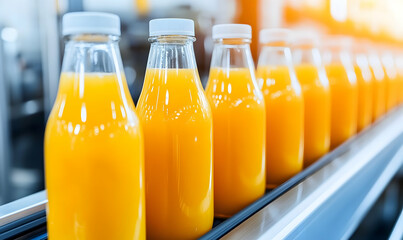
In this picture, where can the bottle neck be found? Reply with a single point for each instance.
(232, 53)
(306, 55)
(275, 62)
(388, 62)
(171, 52)
(92, 53)
(337, 56)
(399, 64)
(91, 58)
(376, 65)
(275, 55)
(361, 60)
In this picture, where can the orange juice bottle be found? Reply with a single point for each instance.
(239, 120)
(315, 88)
(343, 89)
(365, 84)
(178, 133)
(93, 140)
(392, 81)
(379, 84)
(399, 67)
(284, 107)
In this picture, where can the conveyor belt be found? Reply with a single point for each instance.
(335, 191)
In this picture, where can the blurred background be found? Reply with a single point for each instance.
(31, 50)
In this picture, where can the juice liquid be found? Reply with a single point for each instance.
(392, 85)
(365, 95)
(399, 68)
(239, 120)
(379, 95)
(94, 161)
(344, 103)
(177, 124)
(317, 113)
(284, 124)
(400, 89)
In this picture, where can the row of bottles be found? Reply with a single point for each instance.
(185, 155)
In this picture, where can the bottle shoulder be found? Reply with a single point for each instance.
(80, 116)
(171, 95)
(199, 110)
(339, 74)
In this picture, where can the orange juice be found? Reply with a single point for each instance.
(400, 91)
(94, 160)
(344, 102)
(392, 85)
(399, 88)
(365, 95)
(239, 121)
(317, 112)
(177, 124)
(399, 67)
(285, 124)
(379, 91)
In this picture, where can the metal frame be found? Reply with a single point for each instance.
(22, 208)
(4, 130)
(23, 216)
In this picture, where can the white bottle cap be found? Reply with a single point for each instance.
(232, 31)
(172, 26)
(270, 35)
(91, 23)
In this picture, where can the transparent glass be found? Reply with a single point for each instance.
(392, 81)
(284, 113)
(315, 87)
(379, 86)
(177, 123)
(365, 84)
(343, 94)
(94, 147)
(239, 120)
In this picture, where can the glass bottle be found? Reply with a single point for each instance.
(379, 86)
(284, 107)
(239, 121)
(399, 66)
(343, 89)
(315, 87)
(392, 81)
(177, 123)
(93, 140)
(365, 83)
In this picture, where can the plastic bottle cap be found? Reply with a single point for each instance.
(269, 35)
(172, 26)
(91, 23)
(232, 31)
